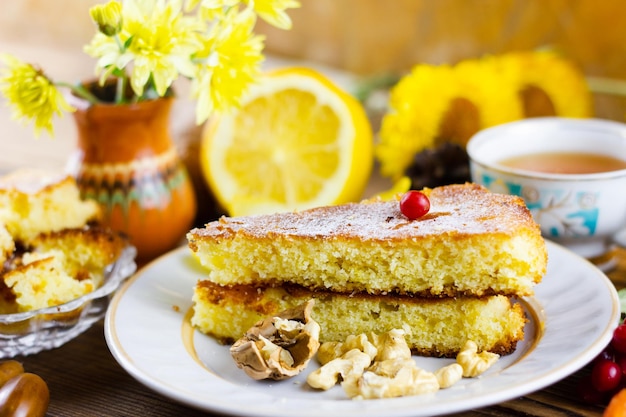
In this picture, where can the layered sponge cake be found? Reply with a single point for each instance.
(51, 248)
(451, 272)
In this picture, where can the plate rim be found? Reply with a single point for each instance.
(412, 407)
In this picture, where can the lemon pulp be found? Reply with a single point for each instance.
(297, 141)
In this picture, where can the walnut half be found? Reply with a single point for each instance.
(278, 347)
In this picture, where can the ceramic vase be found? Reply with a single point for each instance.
(127, 161)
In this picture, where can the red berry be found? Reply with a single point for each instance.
(607, 354)
(414, 205)
(619, 338)
(621, 362)
(588, 393)
(606, 375)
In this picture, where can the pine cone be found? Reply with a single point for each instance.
(448, 163)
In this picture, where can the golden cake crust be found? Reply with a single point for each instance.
(472, 242)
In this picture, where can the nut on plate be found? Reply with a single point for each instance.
(278, 347)
(332, 350)
(473, 362)
(349, 367)
(374, 365)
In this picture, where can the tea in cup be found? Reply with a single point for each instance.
(570, 172)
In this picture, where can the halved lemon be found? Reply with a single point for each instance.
(297, 141)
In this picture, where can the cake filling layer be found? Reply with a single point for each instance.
(435, 327)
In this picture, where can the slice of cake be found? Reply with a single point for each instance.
(51, 249)
(472, 242)
(32, 202)
(448, 277)
(58, 267)
(437, 326)
(86, 251)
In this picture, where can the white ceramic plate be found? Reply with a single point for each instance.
(572, 317)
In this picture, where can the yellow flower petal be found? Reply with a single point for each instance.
(274, 11)
(212, 9)
(398, 188)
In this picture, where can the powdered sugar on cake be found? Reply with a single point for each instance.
(463, 209)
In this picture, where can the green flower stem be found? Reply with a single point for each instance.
(80, 91)
(121, 79)
(601, 85)
(119, 90)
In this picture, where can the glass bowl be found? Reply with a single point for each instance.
(31, 332)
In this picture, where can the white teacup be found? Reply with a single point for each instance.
(582, 211)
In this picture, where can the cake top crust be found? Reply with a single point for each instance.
(461, 209)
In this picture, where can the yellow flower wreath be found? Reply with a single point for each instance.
(436, 104)
(546, 71)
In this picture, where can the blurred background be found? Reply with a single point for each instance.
(370, 37)
(351, 40)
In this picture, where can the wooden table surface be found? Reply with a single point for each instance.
(83, 377)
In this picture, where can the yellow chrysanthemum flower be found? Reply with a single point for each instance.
(559, 88)
(143, 46)
(161, 40)
(212, 9)
(231, 62)
(437, 104)
(480, 82)
(31, 94)
(157, 37)
(110, 56)
(416, 105)
(108, 17)
(274, 11)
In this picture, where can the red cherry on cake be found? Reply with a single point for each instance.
(414, 204)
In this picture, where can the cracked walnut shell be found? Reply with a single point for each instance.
(278, 347)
